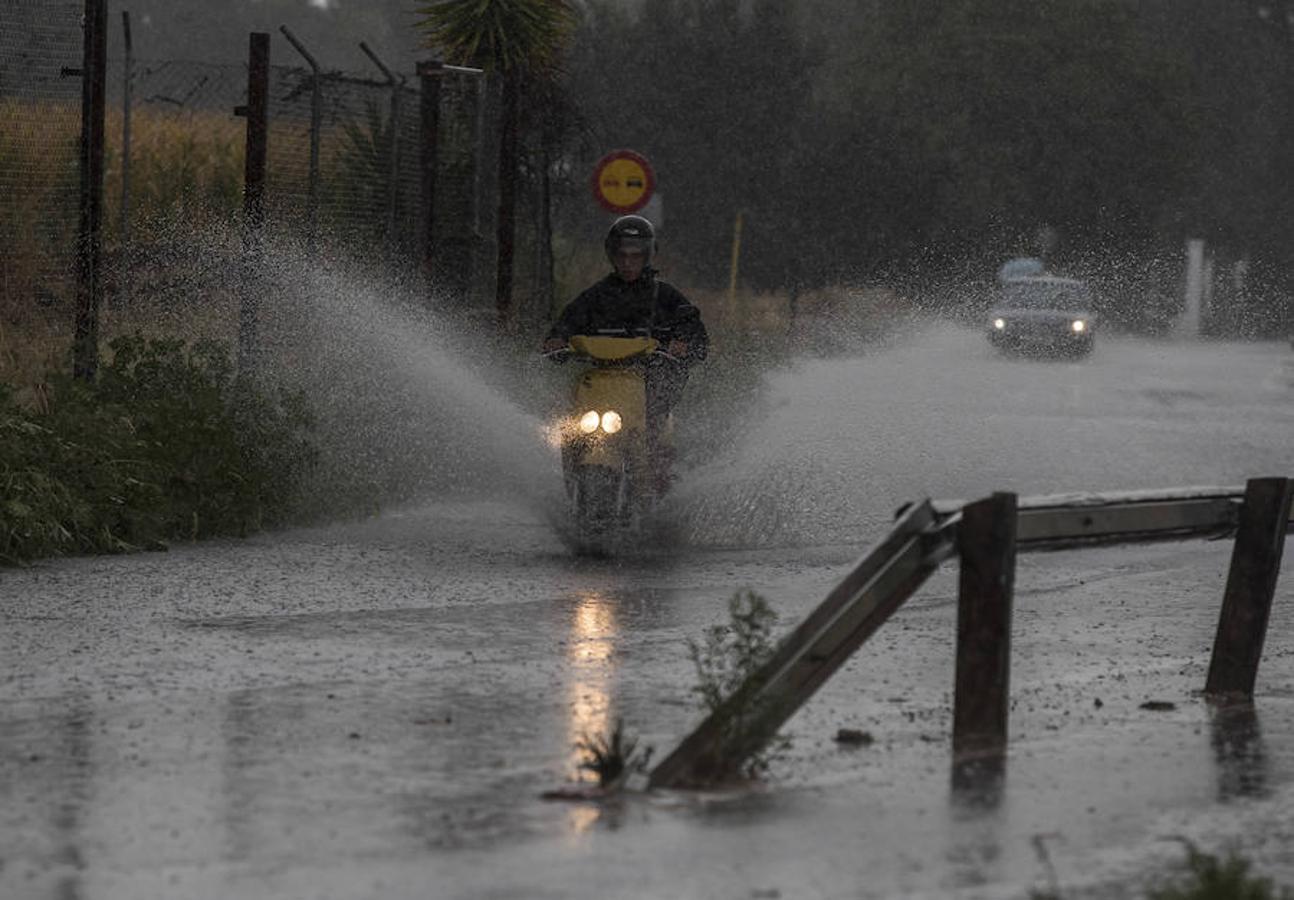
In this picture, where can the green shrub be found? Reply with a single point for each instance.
(165, 444)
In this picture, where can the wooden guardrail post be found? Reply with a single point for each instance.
(987, 547)
(1251, 584)
(853, 611)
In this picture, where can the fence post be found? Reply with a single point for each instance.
(429, 75)
(393, 152)
(85, 344)
(1251, 584)
(257, 112)
(986, 544)
(316, 128)
(128, 79)
(506, 222)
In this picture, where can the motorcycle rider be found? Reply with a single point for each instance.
(633, 301)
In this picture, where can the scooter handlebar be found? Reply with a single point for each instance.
(562, 354)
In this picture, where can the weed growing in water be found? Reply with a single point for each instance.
(727, 664)
(1052, 891)
(613, 757)
(1211, 878)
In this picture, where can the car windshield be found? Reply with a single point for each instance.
(1044, 295)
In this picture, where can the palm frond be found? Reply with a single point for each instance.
(503, 35)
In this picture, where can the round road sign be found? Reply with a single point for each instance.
(623, 181)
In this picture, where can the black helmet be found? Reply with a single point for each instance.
(631, 231)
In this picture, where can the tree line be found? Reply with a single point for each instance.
(927, 142)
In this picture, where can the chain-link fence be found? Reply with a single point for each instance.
(174, 159)
(358, 189)
(365, 192)
(346, 172)
(173, 148)
(40, 127)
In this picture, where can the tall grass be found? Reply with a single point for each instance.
(39, 203)
(186, 176)
(186, 170)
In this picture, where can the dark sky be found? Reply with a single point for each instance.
(216, 30)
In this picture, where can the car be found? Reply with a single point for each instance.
(1021, 267)
(1044, 314)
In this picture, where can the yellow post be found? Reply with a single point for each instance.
(732, 277)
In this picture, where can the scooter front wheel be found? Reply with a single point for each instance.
(597, 497)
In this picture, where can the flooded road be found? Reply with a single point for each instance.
(373, 709)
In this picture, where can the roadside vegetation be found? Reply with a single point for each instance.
(164, 445)
(726, 661)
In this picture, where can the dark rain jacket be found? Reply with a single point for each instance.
(647, 306)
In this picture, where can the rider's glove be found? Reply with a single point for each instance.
(556, 350)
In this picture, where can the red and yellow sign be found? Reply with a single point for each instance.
(623, 181)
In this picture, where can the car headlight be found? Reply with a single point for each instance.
(589, 421)
(1078, 325)
(999, 324)
(611, 421)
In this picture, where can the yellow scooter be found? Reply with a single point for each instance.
(605, 454)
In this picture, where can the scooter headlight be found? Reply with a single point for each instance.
(589, 421)
(611, 421)
(999, 324)
(1078, 325)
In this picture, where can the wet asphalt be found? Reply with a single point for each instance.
(373, 709)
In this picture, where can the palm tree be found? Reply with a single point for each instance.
(515, 39)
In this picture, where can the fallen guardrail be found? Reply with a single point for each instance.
(986, 535)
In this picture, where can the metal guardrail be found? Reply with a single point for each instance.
(1076, 520)
(986, 535)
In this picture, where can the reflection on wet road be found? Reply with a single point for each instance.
(372, 710)
(1240, 753)
(591, 648)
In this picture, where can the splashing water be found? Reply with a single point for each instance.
(406, 407)
(416, 404)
